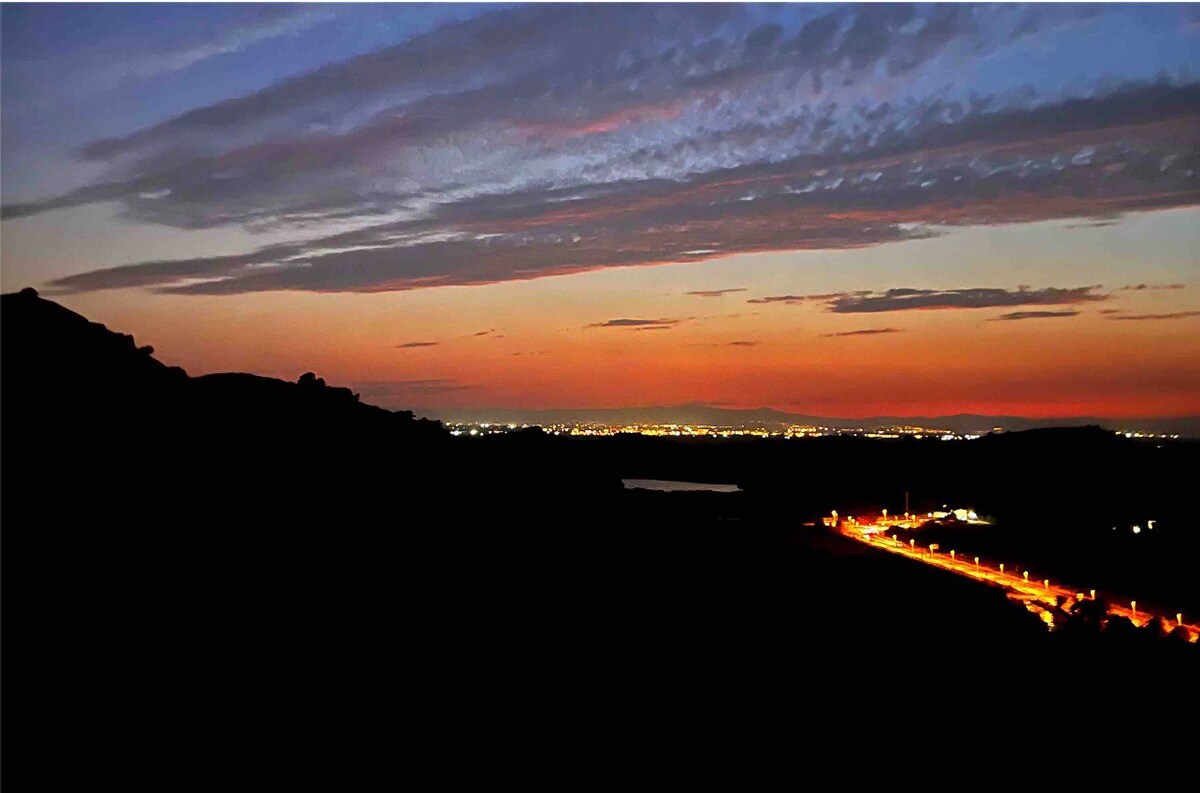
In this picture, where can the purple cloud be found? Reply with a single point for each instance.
(909, 299)
(1142, 317)
(1019, 315)
(714, 292)
(558, 139)
(863, 332)
(635, 323)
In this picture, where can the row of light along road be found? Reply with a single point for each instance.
(1038, 595)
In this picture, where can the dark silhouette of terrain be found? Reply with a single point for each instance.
(184, 549)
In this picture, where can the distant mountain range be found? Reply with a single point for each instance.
(965, 423)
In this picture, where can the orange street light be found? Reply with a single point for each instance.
(912, 544)
(951, 554)
(1002, 567)
(1093, 593)
(1179, 617)
(1026, 574)
(1133, 607)
(976, 562)
(1046, 583)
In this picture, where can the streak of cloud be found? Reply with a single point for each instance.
(909, 299)
(558, 139)
(634, 323)
(1150, 317)
(1019, 315)
(863, 332)
(714, 292)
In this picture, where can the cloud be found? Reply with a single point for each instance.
(1151, 287)
(863, 332)
(111, 62)
(1018, 315)
(715, 292)
(795, 299)
(904, 299)
(558, 139)
(1173, 315)
(272, 23)
(412, 344)
(909, 299)
(741, 344)
(635, 323)
(484, 332)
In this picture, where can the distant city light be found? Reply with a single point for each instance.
(673, 430)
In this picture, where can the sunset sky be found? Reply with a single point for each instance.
(833, 210)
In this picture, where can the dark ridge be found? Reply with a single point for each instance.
(176, 548)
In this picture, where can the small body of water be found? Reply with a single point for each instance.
(668, 486)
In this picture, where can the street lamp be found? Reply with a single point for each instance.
(976, 562)
(1026, 574)
(1133, 607)
(1046, 584)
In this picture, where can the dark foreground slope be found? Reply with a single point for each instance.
(239, 551)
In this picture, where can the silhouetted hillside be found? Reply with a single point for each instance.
(175, 546)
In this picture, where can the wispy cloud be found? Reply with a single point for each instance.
(796, 299)
(412, 344)
(715, 292)
(1018, 315)
(558, 139)
(1142, 317)
(918, 299)
(863, 332)
(273, 22)
(742, 344)
(635, 323)
(909, 299)
(1150, 287)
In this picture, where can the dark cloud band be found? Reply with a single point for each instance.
(561, 139)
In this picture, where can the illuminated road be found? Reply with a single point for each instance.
(1037, 594)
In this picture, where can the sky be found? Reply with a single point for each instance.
(841, 210)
